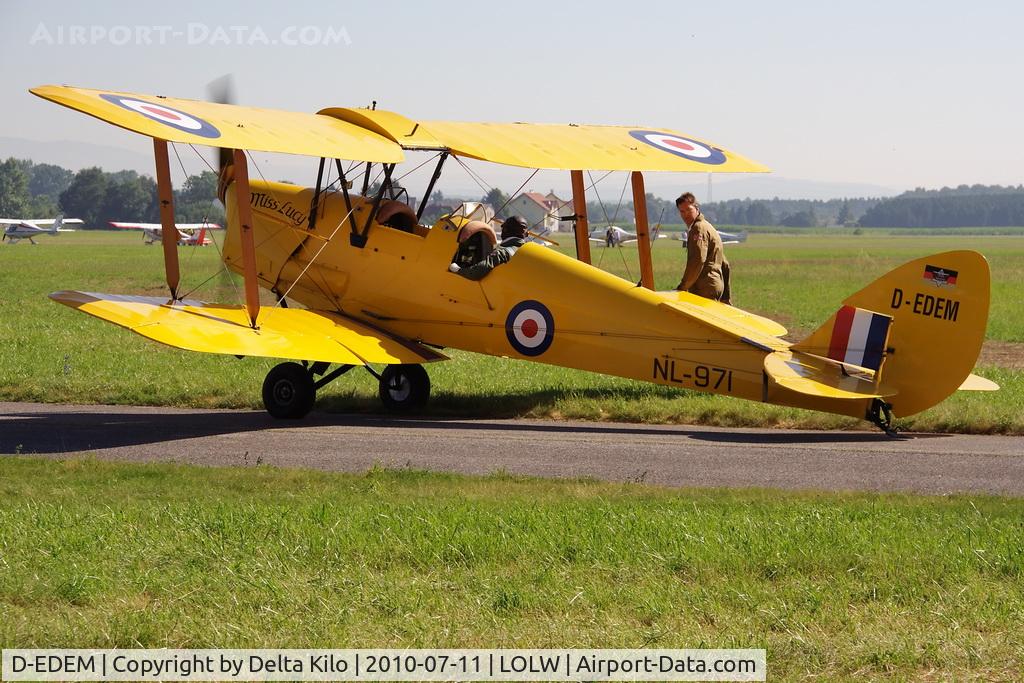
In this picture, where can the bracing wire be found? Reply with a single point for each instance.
(323, 246)
(608, 221)
(223, 265)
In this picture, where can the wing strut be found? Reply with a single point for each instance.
(252, 295)
(430, 185)
(643, 239)
(169, 231)
(579, 207)
(344, 191)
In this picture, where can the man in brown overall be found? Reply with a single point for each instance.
(707, 270)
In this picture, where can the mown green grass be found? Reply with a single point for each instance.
(97, 554)
(51, 353)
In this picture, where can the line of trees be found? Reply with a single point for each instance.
(975, 206)
(29, 190)
(962, 206)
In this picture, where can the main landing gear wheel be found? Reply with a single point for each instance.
(288, 391)
(404, 388)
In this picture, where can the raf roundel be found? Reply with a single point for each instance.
(174, 118)
(530, 328)
(681, 147)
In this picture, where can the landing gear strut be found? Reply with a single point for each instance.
(880, 415)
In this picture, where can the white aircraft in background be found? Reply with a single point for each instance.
(614, 236)
(540, 236)
(727, 237)
(189, 234)
(16, 229)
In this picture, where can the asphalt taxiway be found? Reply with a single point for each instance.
(677, 456)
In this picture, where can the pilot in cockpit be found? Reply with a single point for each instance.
(513, 236)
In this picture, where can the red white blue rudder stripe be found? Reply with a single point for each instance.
(859, 337)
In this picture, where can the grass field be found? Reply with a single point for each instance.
(51, 353)
(843, 587)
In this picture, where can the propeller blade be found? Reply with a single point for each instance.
(222, 91)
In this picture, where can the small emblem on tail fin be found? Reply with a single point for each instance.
(940, 277)
(858, 337)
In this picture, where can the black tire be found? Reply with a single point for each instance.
(288, 391)
(404, 388)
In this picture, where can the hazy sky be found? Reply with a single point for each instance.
(898, 94)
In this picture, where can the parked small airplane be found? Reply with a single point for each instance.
(380, 291)
(16, 229)
(540, 236)
(727, 237)
(614, 236)
(189, 234)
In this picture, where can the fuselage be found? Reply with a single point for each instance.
(26, 230)
(542, 305)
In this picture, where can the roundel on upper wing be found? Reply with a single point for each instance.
(681, 147)
(175, 118)
(530, 328)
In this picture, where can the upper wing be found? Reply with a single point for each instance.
(555, 146)
(376, 135)
(38, 221)
(227, 125)
(282, 332)
(604, 148)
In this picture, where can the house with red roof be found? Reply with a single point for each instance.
(540, 211)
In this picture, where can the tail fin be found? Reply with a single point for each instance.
(58, 222)
(201, 238)
(920, 327)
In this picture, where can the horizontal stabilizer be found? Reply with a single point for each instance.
(281, 332)
(732, 319)
(813, 375)
(976, 383)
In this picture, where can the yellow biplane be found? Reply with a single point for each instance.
(376, 289)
